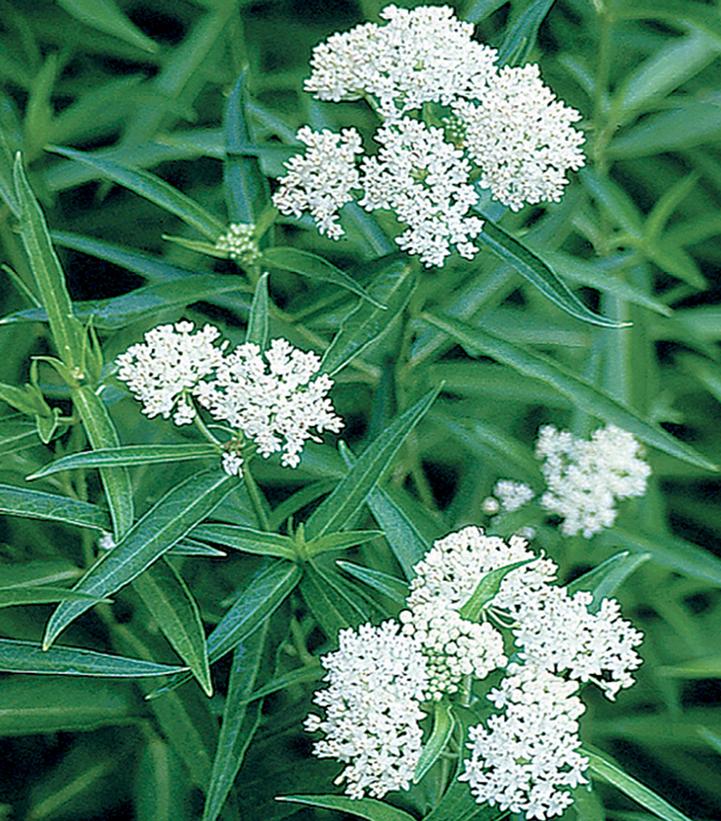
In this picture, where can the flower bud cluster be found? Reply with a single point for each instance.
(239, 243)
(274, 398)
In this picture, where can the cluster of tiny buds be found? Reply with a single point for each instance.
(239, 243)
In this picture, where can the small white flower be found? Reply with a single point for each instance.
(321, 179)
(421, 55)
(164, 369)
(425, 181)
(273, 398)
(106, 541)
(239, 243)
(584, 479)
(521, 137)
(512, 495)
(558, 632)
(232, 463)
(527, 759)
(376, 679)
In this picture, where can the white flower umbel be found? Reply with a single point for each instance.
(376, 679)
(165, 369)
(239, 243)
(585, 479)
(446, 578)
(512, 495)
(320, 180)
(421, 55)
(425, 181)
(527, 759)
(558, 632)
(274, 398)
(521, 137)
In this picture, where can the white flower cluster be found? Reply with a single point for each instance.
(239, 243)
(502, 127)
(521, 137)
(512, 495)
(377, 678)
(424, 181)
(320, 181)
(585, 479)
(527, 759)
(424, 55)
(273, 398)
(164, 369)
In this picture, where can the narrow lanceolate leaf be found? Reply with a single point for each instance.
(29, 657)
(257, 330)
(34, 504)
(395, 589)
(105, 16)
(354, 488)
(162, 790)
(521, 36)
(66, 331)
(486, 589)
(367, 808)
(115, 480)
(246, 189)
(532, 268)
(248, 540)
(153, 188)
(314, 267)
(239, 722)
(604, 580)
(331, 607)
(580, 392)
(610, 772)
(12, 596)
(258, 600)
(440, 736)
(29, 705)
(172, 605)
(341, 541)
(166, 523)
(127, 456)
(302, 675)
(366, 323)
(458, 804)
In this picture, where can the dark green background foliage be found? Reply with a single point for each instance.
(635, 237)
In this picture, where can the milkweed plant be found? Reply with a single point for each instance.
(360, 411)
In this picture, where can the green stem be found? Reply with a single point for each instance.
(204, 430)
(256, 497)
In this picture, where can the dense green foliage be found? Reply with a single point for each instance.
(169, 119)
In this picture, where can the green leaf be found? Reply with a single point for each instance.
(682, 13)
(705, 667)
(367, 808)
(173, 607)
(161, 789)
(608, 771)
(581, 393)
(314, 267)
(340, 541)
(37, 572)
(12, 596)
(353, 490)
(486, 589)
(115, 480)
(366, 323)
(257, 330)
(30, 706)
(458, 804)
(22, 399)
(29, 657)
(120, 311)
(607, 577)
(49, 278)
(668, 551)
(331, 607)
(259, 599)
(171, 518)
(301, 675)
(246, 189)
(152, 188)
(105, 16)
(395, 589)
(521, 33)
(532, 268)
(248, 540)
(441, 733)
(127, 456)
(34, 504)
(239, 722)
